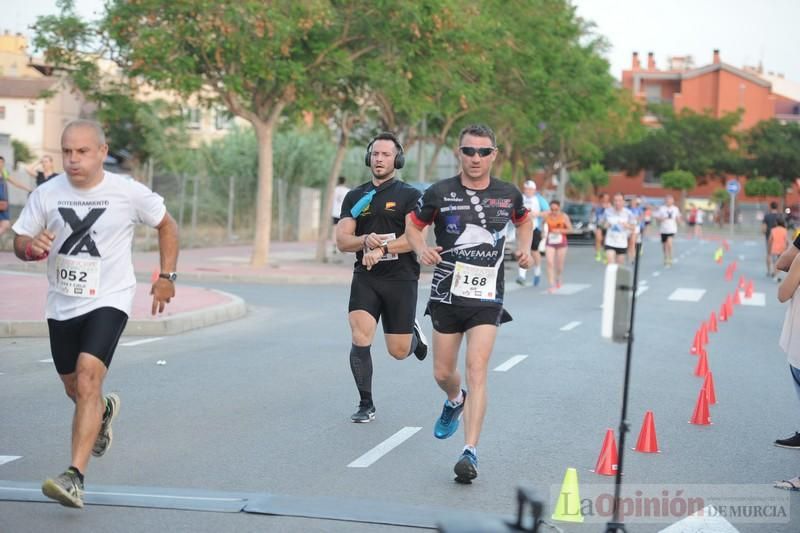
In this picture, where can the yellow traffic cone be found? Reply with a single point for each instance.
(568, 507)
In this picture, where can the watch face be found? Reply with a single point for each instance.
(172, 276)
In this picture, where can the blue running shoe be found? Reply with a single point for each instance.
(466, 468)
(447, 423)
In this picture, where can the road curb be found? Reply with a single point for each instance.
(169, 325)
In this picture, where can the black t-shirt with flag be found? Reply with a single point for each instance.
(385, 215)
(470, 226)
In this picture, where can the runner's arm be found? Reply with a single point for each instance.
(348, 241)
(17, 184)
(33, 248)
(790, 283)
(786, 258)
(163, 290)
(415, 236)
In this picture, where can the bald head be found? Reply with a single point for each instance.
(89, 125)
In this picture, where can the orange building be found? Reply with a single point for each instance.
(717, 88)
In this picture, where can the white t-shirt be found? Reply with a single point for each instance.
(536, 204)
(617, 234)
(699, 216)
(90, 263)
(338, 198)
(669, 219)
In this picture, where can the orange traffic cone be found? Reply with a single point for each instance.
(703, 334)
(723, 312)
(702, 365)
(696, 347)
(647, 443)
(607, 462)
(712, 322)
(748, 291)
(728, 273)
(729, 306)
(708, 385)
(726, 245)
(700, 416)
(736, 299)
(742, 283)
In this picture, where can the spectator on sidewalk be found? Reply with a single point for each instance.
(42, 171)
(769, 222)
(778, 239)
(5, 205)
(82, 222)
(790, 344)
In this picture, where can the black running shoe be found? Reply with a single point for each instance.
(66, 489)
(365, 413)
(789, 442)
(422, 343)
(466, 468)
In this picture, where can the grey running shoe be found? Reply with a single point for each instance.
(66, 489)
(789, 442)
(466, 468)
(365, 413)
(422, 342)
(103, 442)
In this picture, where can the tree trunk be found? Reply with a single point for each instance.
(432, 170)
(264, 134)
(326, 223)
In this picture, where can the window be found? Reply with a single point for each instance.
(31, 117)
(193, 118)
(222, 119)
(2, 112)
(653, 93)
(650, 179)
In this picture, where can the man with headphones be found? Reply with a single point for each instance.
(386, 271)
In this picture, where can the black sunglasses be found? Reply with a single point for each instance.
(469, 151)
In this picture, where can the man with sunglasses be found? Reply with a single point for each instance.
(470, 212)
(385, 275)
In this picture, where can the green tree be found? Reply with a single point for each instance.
(763, 187)
(22, 152)
(696, 142)
(679, 180)
(589, 179)
(774, 150)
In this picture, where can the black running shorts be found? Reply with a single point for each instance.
(665, 236)
(393, 302)
(537, 238)
(96, 333)
(618, 251)
(448, 318)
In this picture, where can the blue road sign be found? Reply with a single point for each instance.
(733, 187)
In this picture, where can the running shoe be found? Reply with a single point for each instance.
(447, 423)
(66, 489)
(365, 413)
(103, 441)
(789, 442)
(598, 257)
(521, 281)
(466, 468)
(421, 350)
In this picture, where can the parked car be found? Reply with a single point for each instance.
(581, 214)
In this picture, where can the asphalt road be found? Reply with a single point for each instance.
(262, 405)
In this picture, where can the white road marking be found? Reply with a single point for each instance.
(571, 325)
(8, 458)
(676, 260)
(138, 495)
(706, 520)
(751, 243)
(512, 361)
(757, 300)
(571, 288)
(741, 258)
(687, 295)
(384, 447)
(641, 290)
(45, 360)
(656, 274)
(142, 341)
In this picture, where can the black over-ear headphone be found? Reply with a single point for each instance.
(399, 159)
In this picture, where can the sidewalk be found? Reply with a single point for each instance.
(24, 286)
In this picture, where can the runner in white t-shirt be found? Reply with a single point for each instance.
(620, 223)
(668, 216)
(82, 222)
(339, 193)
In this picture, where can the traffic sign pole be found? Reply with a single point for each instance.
(733, 190)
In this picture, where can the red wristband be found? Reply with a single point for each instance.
(29, 253)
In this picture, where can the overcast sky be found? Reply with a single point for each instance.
(745, 31)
